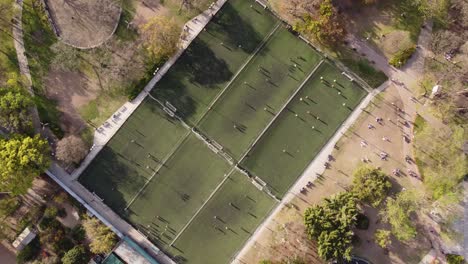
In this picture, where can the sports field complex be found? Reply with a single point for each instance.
(223, 135)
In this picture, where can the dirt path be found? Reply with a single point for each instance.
(398, 96)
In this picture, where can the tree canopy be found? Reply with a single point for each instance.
(71, 149)
(370, 185)
(330, 224)
(14, 104)
(327, 28)
(382, 237)
(22, 158)
(397, 213)
(103, 239)
(76, 255)
(161, 36)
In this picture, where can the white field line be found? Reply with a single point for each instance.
(309, 174)
(280, 111)
(202, 206)
(161, 164)
(260, 46)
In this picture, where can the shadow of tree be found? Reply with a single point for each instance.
(238, 31)
(198, 66)
(111, 179)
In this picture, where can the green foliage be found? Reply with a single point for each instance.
(397, 213)
(382, 237)
(78, 234)
(455, 259)
(8, 206)
(30, 252)
(440, 160)
(51, 212)
(328, 28)
(370, 185)
(103, 239)
(76, 255)
(402, 56)
(14, 104)
(22, 158)
(330, 224)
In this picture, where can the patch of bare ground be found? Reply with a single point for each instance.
(84, 23)
(71, 91)
(275, 244)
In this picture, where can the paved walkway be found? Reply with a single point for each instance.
(311, 173)
(23, 62)
(105, 132)
(409, 75)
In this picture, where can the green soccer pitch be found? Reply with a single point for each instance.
(260, 98)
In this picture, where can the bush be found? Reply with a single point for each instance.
(76, 255)
(402, 56)
(454, 259)
(49, 223)
(63, 245)
(9, 206)
(51, 212)
(78, 234)
(29, 252)
(362, 222)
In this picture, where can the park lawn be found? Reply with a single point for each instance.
(207, 240)
(206, 67)
(267, 82)
(296, 136)
(119, 170)
(178, 190)
(8, 58)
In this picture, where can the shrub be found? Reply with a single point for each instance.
(454, 259)
(78, 233)
(402, 56)
(9, 206)
(362, 222)
(76, 255)
(51, 212)
(29, 252)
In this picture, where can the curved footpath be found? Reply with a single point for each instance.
(104, 133)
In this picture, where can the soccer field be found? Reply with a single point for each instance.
(259, 91)
(239, 207)
(256, 93)
(214, 57)
(301, 130)
(178, 190)
(120, 169)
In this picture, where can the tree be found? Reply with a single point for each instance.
(14, 105)
(382, 237)
(103, 239)
(370, 185)
(397, 213)
(330, 224)
(76, 255)
(161, 36)
(22, 158)
(328, 28)
(71, 149)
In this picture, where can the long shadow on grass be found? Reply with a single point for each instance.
(109, 177)
(198, 65)
(239, 32)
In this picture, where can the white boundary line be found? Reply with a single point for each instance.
(203, 205)
(260, 46)
(316, 165)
